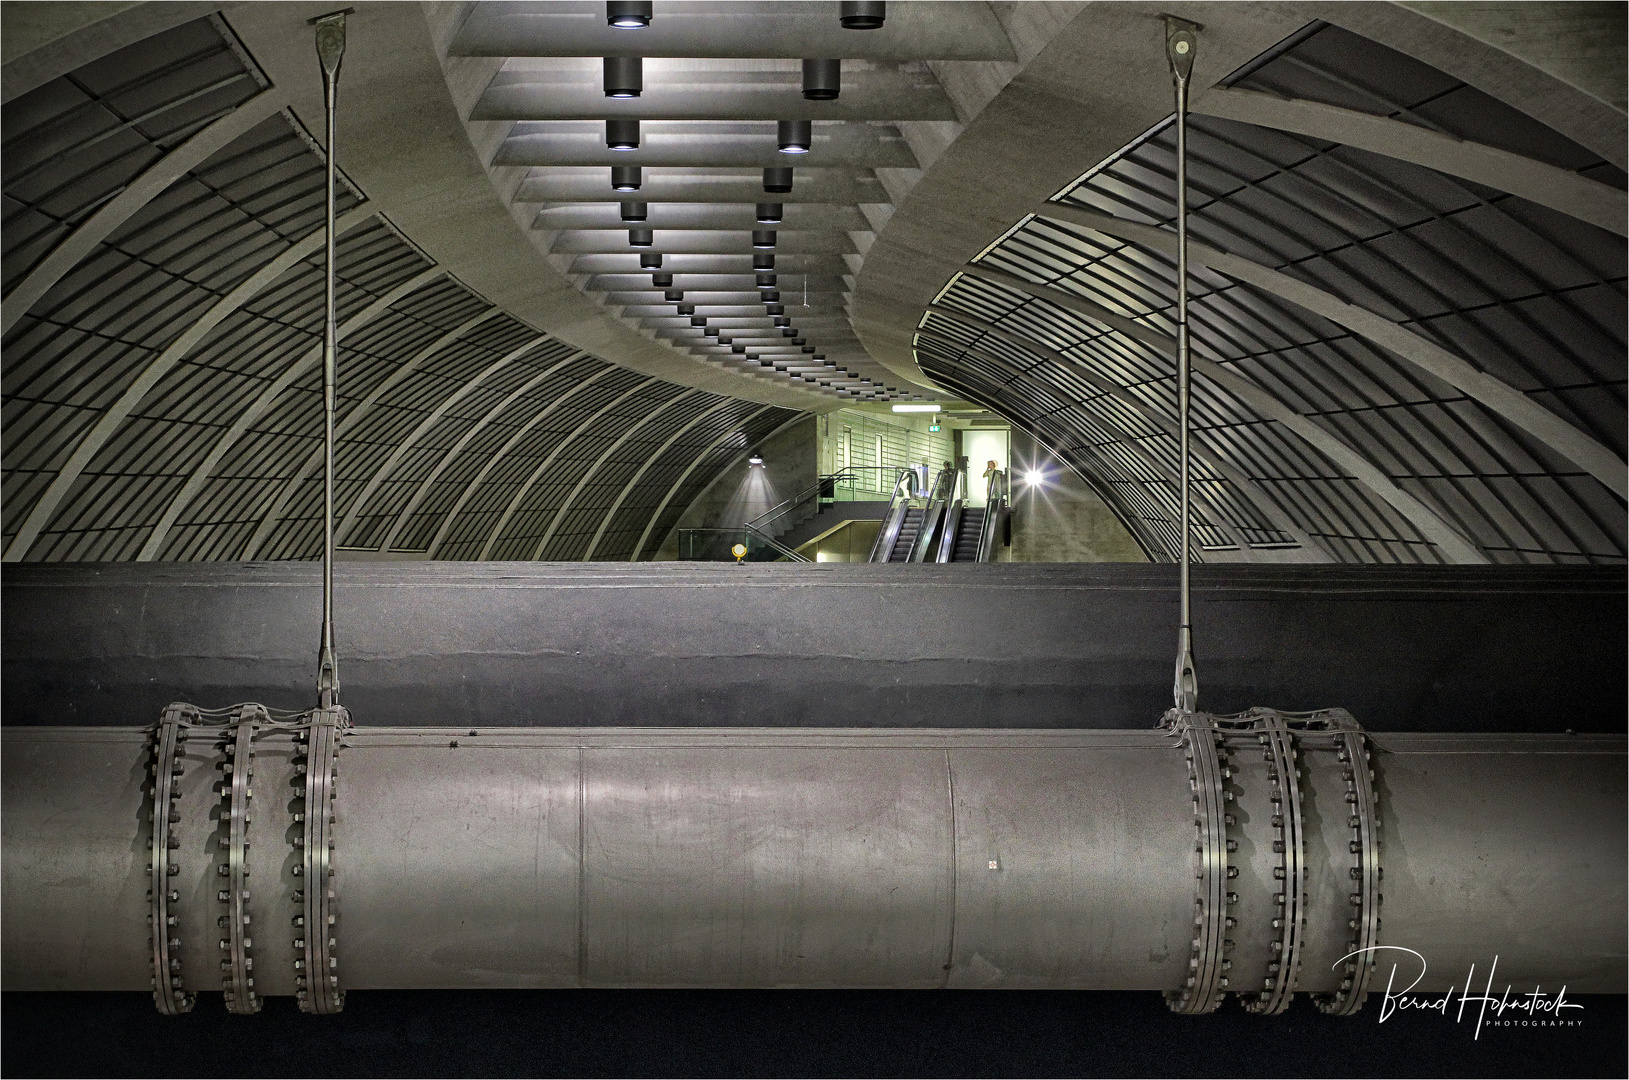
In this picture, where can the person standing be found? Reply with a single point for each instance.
(992, 477)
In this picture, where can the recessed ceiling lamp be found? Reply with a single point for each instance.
(626, 177)
(800, 341)
(822, 79)
(774, 309)
(788, 331)
(633, 211)
(859, 16)
(778, 181)
(650, 260)
(712, 331)
(673, 296)
(625, 76)
(808, 349)
(769, 213)
(640, 238)
(636, 15)
(724, 339)
(782, 320)
(763, 239)
(662, 281)
(622, 134)
(916, 408)
(795, 136)
(770, 296)
(736, 348)
(763, 260)
(766, 281)
(695, 320)
(755, 460)
(690, 309)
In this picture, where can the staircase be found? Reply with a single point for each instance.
(968, 531)
(907, 535)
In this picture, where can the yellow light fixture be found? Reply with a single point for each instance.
(740, 553)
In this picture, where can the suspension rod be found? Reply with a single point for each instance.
(1180, 41)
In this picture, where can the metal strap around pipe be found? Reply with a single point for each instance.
(316, 967)
(237, 979)
(162, 895)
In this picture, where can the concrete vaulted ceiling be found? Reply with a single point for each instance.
(1409, 268)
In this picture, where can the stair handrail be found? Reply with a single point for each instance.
(759, 526)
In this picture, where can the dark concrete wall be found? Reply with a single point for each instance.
(486, 644)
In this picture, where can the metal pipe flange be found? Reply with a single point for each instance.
(169, 737)
(316, 966)
(237, 967)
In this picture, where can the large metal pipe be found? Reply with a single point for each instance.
(753, 857)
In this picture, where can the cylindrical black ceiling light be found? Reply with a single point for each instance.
(859, 16)
(822, 79)
(695, 320)
(690, 309)
(822, 356)
(787, 331)
(650, 260)
(640, 238)
(778, 181)
(622, 133)
(737, 348)
(724, 339)
(808, 348)
(662, 281)
(762, 363)
(633, 211)
(763, 260)
(774, 309)
(673, 296)
(636, 14)
(782, 320)
(770, 296)
(795, 136)
(626, 177)
(766, 281)
(711, 331)
(800, 341)
(769, 213)
(625, 76)
(763, 238)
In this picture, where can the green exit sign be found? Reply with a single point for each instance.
(933, 427)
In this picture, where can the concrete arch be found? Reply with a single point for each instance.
(40, 514)
(200, 475)
(1454, 544)
(599, 533)
(349, 421)
(1497, 395)
(429, 421)
(514, 504)
(464, 440)
(1247, 487)
(1571, 194)
(699, 458)
(143, 189)
(492, 462)
(554, 523)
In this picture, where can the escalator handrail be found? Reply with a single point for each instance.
(944, 486)
(892, 518)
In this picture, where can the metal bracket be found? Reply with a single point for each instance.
(1289, 839)
(1364, 821)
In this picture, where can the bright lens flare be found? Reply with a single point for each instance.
(1034, 477)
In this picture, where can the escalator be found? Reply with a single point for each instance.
(969, 532)
(910, 527)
